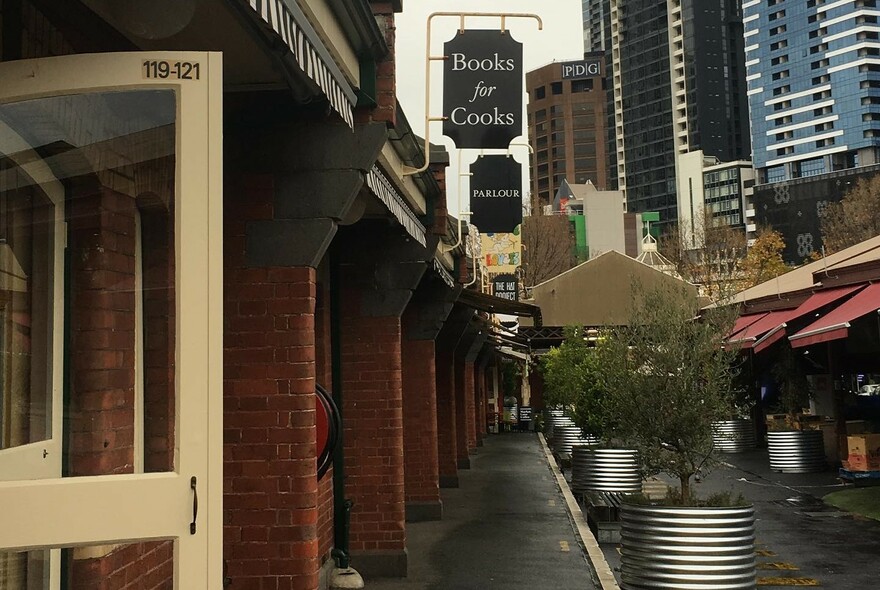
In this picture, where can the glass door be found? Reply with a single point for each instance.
(110, 322)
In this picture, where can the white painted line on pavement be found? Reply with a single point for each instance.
(594, 554)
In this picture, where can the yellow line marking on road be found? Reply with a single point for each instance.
(779, 565)
(765, 553)
(787, 582)
(563, 546)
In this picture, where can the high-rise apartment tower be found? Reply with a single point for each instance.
(678, 78)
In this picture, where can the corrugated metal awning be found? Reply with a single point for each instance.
(382, 188)
(287, 21)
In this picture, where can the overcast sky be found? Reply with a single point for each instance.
(560, 40)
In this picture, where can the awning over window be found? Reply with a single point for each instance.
(816, 301)
(835, 324)
(492, 304)
(743, 322)
(746, 338)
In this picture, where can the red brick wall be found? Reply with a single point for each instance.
(103, 242)
(441, 212)
(139, 566)
(157, 231)
(323, 371)
(471, 407)
(102, 323)
(373, 428)
(269, 481)
(536, 387)
(420, 422)
(447, 441)
(386, 84)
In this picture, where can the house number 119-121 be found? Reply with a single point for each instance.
(178, 70)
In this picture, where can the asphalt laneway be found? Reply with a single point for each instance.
(800, 541)
(506, 526)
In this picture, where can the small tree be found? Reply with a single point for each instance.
(855, 218)
(547, 248)
(764, 258)
(572, 380)
(669, 379)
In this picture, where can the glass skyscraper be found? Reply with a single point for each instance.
(814, 85)
(678, 79)
(814, 98)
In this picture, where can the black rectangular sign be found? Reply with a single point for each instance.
(496, 194)
(504, 286)
(482, 89)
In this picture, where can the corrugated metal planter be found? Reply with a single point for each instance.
(796, 451)
(604, 470)
(687, 548)
(564, 437)
(556, 419)
(734, 436)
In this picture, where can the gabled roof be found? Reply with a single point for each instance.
(597, 292)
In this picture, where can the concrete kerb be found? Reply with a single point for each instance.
(601, 570)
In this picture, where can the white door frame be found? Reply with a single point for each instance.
(80, 511)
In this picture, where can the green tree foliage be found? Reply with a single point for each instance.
(855, 218)
(668, 379)
(764, 258)
(572, 380)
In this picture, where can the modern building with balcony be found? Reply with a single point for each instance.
(814, 97)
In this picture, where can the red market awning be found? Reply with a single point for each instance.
(835, 324)
(746, 338)
(743, 322)
(816, 301)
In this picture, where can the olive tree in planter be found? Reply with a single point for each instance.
(793, 446)
(571, 381)
(668, 380)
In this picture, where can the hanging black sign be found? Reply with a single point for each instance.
(482, 89)
(496, 194)
(505, 286)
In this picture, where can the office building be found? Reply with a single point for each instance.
(566, 126)
(679, 86)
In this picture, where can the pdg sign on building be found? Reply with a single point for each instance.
(482, 89)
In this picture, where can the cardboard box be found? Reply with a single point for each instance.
(864, 444)
(862, 463)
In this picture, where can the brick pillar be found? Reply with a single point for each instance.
(462, 390)
(470, 396)
(270, 485)
(379, 267)
(323, 375)
(291, 179)
(103, 372)
(422, 321)
(446, 343)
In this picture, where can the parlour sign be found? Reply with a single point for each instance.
(482, 89)
(496, 194)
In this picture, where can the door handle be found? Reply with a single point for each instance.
(192, 486)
